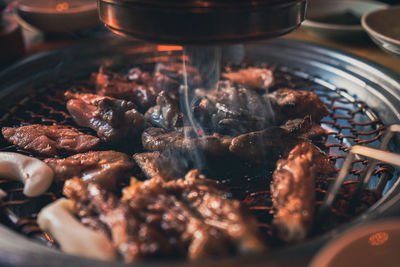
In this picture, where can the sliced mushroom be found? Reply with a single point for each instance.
(34, 173)
(74, 238)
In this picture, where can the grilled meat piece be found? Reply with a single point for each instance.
(138, 86)
(289, 104)
(175, 72)
(166, 113)
(304, 128)
(105, 168)
(49, 140)
(113, 119)
(203, 198)
(293, 194)
(184, 139)
(232, 110)
(157, 165)
(267, 145)
(252, 78)
(262, 146)
(227, 215)
(157, 218)
(323, 165)
(133, 238)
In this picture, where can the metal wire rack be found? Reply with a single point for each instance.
(350, 123)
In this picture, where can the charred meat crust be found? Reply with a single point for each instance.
(105, 168)
(138, 86)
(158, 165)
(290, 104)
(293, 194)
(112, 119)
(185, 140)
(166, 113)
(254, 78)
(185, 217)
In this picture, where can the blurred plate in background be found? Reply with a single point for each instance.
(374, 244)
(339, 20)
(59, 16)
(383, 26)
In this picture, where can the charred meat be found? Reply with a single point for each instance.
(113, 119)
(157, 218)
(105, 168)
(138, 86)
(233, 110)
(50, 140)
(290, 104)
(269, 144)
(185, 140)
(304, 128)
(158, 165)
(293, 194)
(252, 78)
(174, 71)
(166, 113)
(262, 146)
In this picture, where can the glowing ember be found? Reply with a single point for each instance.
(169, 48)
(62, 6)
(378, 239)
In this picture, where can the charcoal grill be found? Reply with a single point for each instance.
(363, 99)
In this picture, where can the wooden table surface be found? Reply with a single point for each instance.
(367, 49)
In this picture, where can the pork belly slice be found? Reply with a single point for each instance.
(114, 120)
(185, 140)
(253, 78)
(293, 194)
(137, 86)
(290, 104)
(105, 168)
(158, 165)
(50, 140)
(166, 112)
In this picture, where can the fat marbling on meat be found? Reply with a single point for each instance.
(112, 119)
(49, 140)
(105, 168)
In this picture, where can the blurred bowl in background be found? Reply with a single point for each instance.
(371, 244)
(57, 16)
(339, 20)
(383, 26)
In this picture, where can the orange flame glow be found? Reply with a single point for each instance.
(378, 239)
(169, 48)
(62, 6)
